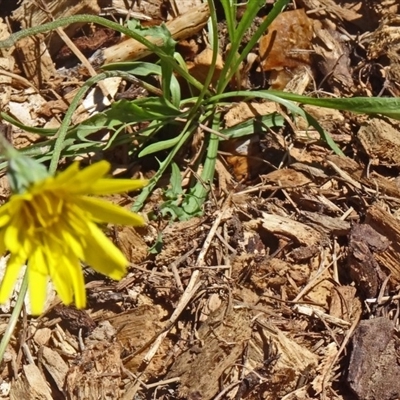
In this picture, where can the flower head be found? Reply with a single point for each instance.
(52, 226)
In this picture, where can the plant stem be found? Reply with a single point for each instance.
(15, 315)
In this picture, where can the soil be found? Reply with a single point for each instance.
(287, 286)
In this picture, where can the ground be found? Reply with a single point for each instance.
(287, 286)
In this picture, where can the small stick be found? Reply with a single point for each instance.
(211, 234)
(174, 266)
(191, 289)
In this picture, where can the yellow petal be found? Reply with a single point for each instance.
(37, 278)
(85, 178)
(58, 268)
(110, 186)
(74, 269)
(13, 233)
(62, 236)
(103, 256)
(2, 243)
(12, 207)
(13, 268)
(68, 174)
(5, 213)
(76, 218)
(106, 212)
(68, 281)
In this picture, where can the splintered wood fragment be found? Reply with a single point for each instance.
(358, 177)
(35, 60)
(329, 7)
(388, 226)
(381, 141)
(309, 310)
(96, 374)
(291, 359)
(328, 224)
(136, 331)
(31, 385)
(297, 231)
(181, 27)
(55, 366)
(222, 339)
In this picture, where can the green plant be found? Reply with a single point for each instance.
(152, 114)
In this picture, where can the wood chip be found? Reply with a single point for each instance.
(381, 141)
(55, 366)
(389, 226)
(221, 341)
(297, 231)
(31, 385)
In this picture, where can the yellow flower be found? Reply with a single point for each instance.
(52, 227)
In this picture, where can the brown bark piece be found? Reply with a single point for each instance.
(381, 141)
(287, 178)
(334, 57)
(387, 225)
(222, 340)
(383, 47)
(100, 38)
(245, 157)
(363, 267)
(242, 111)
(201, 64)
(374, 369)
(344, 303)
(284, 46)
(132, 244)
(329, 8)
(73, 319)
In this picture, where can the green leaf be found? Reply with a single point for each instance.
(158, 244)
(141, 68)
(159, 146)
(149, 108)
(290, 105)
(156, 31)
(24, 171)
(253, 125)
(167, 45)
(387, 106)
(175, 191)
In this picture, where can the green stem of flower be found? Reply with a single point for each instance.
(14, 316)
